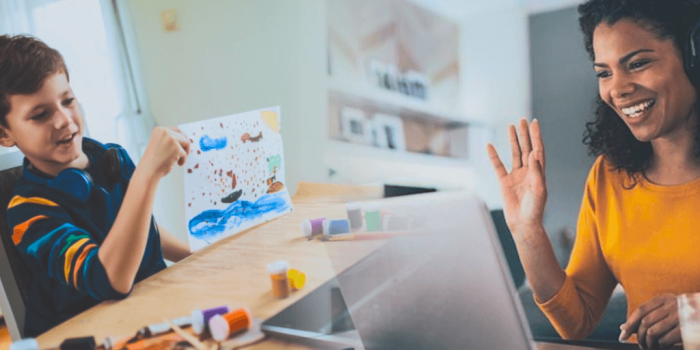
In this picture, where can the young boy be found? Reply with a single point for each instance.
(81, 214)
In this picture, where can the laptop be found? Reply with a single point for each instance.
(447, 286)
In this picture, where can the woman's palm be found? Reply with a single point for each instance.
(524, 190)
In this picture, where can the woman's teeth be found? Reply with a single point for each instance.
(636, 111)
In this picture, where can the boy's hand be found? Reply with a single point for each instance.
(167, 146)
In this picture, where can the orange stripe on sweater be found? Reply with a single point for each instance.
(79, 263)
(17, 200)
(22, 228)
(69, 256)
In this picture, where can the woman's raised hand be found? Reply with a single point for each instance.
(524, 188)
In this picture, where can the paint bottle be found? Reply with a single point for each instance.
(335, 227)
(280, 281)
(312, 228)
(200, 318)
(297, 279)
(373, 217)
(223, 326)
(396, 223)
(354, 215)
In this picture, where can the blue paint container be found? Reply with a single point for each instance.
(336, 227)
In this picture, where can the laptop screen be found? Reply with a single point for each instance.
(445, 286)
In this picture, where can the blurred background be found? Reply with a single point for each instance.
(401, 92)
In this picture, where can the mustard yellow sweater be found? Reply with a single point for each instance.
(646, 238)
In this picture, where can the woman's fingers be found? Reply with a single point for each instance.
(536, 138)
(496, 161)
(671, 338)
(516, 154)
(525, 144)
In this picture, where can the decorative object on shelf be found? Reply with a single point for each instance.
(390, 132)
(354, 125)
(387, 76)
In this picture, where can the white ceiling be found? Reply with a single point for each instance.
(461, 9)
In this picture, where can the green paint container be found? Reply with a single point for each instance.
(373, 217)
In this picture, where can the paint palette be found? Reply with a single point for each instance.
(234, 175)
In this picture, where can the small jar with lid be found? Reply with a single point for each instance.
(280, 281)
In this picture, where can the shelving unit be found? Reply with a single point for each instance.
(363, 92)
(411, 41)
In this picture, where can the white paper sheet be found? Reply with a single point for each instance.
(234, 175)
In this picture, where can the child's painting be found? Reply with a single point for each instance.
(234, 175)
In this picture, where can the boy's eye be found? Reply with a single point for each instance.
(39, 116)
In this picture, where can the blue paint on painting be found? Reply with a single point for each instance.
(206, 143)
(211, 223)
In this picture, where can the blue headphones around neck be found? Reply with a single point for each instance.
(75, 183)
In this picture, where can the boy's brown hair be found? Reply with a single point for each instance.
(25, 63)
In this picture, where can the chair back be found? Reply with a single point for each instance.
(15, 276)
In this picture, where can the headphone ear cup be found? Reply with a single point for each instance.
(691, 55)
(75, 182)
(113, 165)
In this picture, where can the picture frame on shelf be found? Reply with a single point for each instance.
(389, 131)
(354, 125)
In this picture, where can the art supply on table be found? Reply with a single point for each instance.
(25, 344)
(396, 223)
(297, 279)
(373, 217)
(280, 281)
(354, 215)
(84, 343)
(162, 328)
(364, 236)
(312, 228)
(188, 337)
(200, 318)
(223, 326)
(335, 227)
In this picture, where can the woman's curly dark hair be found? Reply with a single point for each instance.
(608, 134)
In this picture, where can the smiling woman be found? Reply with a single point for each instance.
(637, 225)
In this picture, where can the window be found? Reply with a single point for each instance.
(88, 35)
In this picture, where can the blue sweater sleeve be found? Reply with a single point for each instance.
(49, 242)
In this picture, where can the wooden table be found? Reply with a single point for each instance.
(233, 271)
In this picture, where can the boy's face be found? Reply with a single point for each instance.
(47, 126)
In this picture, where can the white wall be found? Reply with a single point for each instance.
(495, 83)
(230, 57)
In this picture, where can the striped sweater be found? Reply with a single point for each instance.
(59, 239)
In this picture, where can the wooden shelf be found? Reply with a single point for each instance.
(394, 102)
(360, 151)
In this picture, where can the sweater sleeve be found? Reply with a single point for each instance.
(578, 306)
(49, 242)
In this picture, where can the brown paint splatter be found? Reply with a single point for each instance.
(189, 171)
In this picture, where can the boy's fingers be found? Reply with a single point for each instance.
(182, 158)
(496, 161)
(181, 139)
(525, 143)
(516, 154)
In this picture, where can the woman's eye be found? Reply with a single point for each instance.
(69, 101)
(638, 64)
(602, 74)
